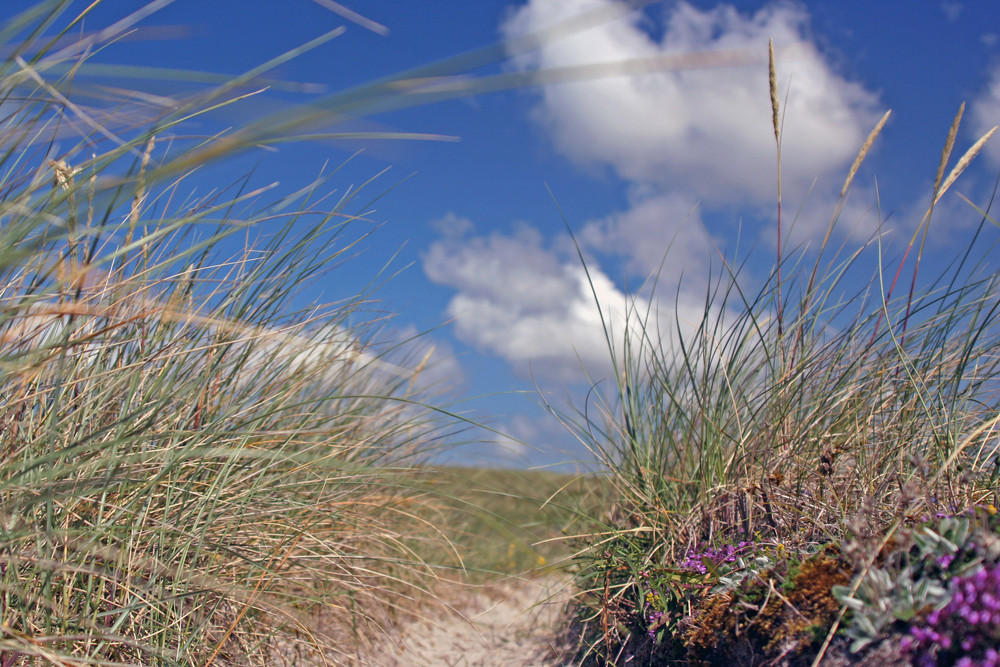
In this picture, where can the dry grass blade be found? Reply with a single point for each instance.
(964, 162)
(949, 144)
(69, 104)
(772, 79)
(864, 152)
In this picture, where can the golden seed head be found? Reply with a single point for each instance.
(772, 77)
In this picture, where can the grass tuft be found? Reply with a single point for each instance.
(193, 469)
(799, 419)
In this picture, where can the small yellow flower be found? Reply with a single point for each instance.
(991, 509)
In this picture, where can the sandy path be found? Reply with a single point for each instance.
(513, 624)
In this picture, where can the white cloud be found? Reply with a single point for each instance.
(535, 307)
(523, 301)
(654, 227)
(986, 114)
(507, 271)
(702, 131)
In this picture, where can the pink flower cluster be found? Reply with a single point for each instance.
(695, 559)
(966, 631)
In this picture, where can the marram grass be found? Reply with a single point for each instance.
(798, 417)
(192, 471)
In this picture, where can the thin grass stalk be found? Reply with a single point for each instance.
(939, 189)
(772, 78)
(960, 167)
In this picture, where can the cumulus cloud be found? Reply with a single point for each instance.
(527, 302)
(702, 131)
(522, 300)
(654, 227)
(687, 142)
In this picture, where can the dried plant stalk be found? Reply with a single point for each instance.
(969, 156)
(948, 145)
(864, 152)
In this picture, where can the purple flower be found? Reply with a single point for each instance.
(728, 553)
(654, 622)
(966, 630)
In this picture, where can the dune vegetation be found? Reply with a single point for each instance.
(194, 470)
(811, 476)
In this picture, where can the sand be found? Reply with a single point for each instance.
(515, 623)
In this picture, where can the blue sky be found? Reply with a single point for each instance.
(681, 159)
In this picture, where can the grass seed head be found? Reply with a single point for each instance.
(964, 162)
(949, 144)
(772, 78)
(864, 152)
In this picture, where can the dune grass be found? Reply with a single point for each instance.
(800, 416)
(192, 471)
(195, 470)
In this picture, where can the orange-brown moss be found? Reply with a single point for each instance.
(766, 619)
(810, 602)
(714, 618)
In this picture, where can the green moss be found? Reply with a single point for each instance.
(755, 593)
(788, 585)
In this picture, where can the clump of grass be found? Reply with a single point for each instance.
(795, 416)
(191, 470)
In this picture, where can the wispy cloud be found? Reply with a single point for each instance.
(986, 113)
(952, 10)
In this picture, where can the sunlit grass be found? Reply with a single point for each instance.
(798, 414)
(193, 470)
